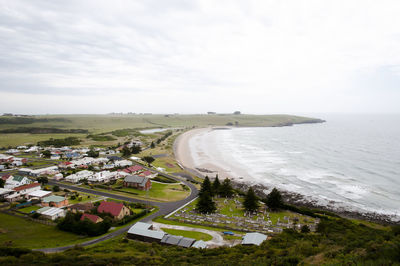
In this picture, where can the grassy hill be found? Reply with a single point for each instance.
(98, 124)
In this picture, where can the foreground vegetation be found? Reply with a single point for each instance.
(337, 241)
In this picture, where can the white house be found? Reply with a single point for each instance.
(103, 176)
(38, 194)
(75, 178)
(16, 181)
(122, 163)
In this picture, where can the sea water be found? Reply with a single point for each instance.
(351, 161)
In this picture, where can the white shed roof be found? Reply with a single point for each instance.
(39, 193)
(253, 239)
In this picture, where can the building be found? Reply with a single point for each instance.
(139, 182)
(5, 192)
(16, 181)
(148, 174)
(26, 189)
(38, 194)
(254, 239)
(81, 207)
(75, 178)
(54, 201)
(199, 244)
(51, 213)
(134, 169)
(91, 217)
(117, 210)
(122, 163)
(143, 232)
(177, 241)
(103, 177)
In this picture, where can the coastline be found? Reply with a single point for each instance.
(184, 157)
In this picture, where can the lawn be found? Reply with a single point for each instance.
(190, 234)
(30, 209)
(28, 234)
(161, 192)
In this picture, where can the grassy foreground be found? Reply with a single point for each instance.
(190, 234)
(337, 242)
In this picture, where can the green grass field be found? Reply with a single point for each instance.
(29, 209)
(190, 234)
(106, 123)
(28, 234)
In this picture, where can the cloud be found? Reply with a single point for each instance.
(259, 56)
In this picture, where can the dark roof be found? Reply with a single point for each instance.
(111, 207)
(186, 242)
(178, 241)
(114, 158)
(136, 180)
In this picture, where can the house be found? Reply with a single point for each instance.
(139, 182)
(72, 155)
(25, 171)
(12, 151)
(104, 176)
(16, 181)
(80, 207)
(66, 165)
(5, 192)
(91, 217)
(6, 158)
(134, 169)
(54, 201)
(51, 213)
(148, 174)
(117, 210)
(26, 189)
(38, 194)
(55, 157)
(122, 163)
(75, 178)
(253, 239)
(114, 158)
(143, 232)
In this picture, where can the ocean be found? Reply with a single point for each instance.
(351, 161)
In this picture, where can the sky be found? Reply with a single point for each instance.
(174, 56)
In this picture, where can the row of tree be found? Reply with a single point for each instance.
(251, 201)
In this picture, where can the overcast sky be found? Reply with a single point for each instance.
(197, 56)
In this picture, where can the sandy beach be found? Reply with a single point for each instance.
(183, 154)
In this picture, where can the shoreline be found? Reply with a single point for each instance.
(184, 157)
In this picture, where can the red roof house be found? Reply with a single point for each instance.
(91, 217)
(117, 210)
(27, 188)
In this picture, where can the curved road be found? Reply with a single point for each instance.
(164, 209)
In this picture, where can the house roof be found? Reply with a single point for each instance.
(82, 206)
(27, 186)
(18, 178)
(143, 226)
(135, 168)
(53, 198)
(146, 233)
(91, 217)
(253, 239)
(147, 173)
(39, 193)
(136, 179)
(111, 207)
(5, 177)
(171, 239)
(50, 211)
(186, 242)
(199, 244)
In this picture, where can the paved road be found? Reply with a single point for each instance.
(164, 209)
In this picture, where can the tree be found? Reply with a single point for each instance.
(126, 151)
(93, 153)
(148, 159)
(2, 182)
(216, 185)
(43, 180)
(205, 204)
(56, 188)
(250, 201)
(226, 189)
(206, 187)
(152, 145)
(46, 154)
(305, 229)
(136, 149)
(274, 199)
